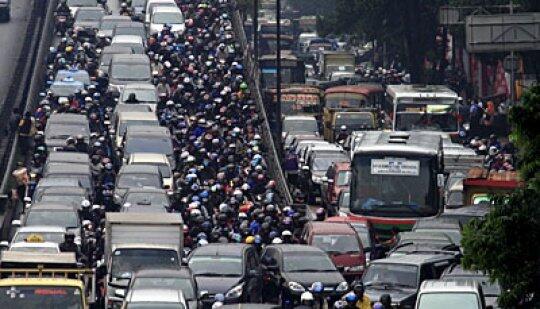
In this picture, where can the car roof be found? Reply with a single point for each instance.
(130, 24)
(291, 248)
(423, 235)
(119, 18)
(300, 117)
(145, 190)
(130, 58)
(65, 190)
(156, 295)
(68, 156)
(44, 244)
(220, 250)
(41, 229)
(331, 228)
(127, 38)
(139, 168)
(117, 49)
(412, 259)
(439, 223)
(161, 9)
(67, 118)
(74, 168)
(144, 86)
(90, 8)
(183, 272)
(67, 182)
(148, 130)
(456, 270)
(51, 206)
(129, 115)
(148, 157)
(462, 285)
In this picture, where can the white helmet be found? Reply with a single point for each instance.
(306, 296)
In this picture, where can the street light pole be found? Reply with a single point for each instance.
(278, 77)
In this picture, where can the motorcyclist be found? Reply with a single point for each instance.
(80, 144)
(306, 301)
(62, 8)
(69, 245)
(363, 301)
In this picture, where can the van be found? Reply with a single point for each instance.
(128, 69)
(158, 159)
(445, 294)
(171, 16)
(126, 119)
(151, 4)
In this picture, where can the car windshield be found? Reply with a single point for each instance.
(323, 163)
(391, 274)
(71, 199)
(307, 262)
(154, 305)
(141, 95)
(40, 297)
(129, 31)
(336, 243)
(164, 169)
(90, 3)
(133, 180)
(127, 261)
(219, 266)
(131, 72)
(149, 145)
(52, 218)
(88, 15)
(122, 127)
(84, 180)
(363, 232)
(449, 300)
(183, 284)
(295, 125)
(54, 237)
(167, 18)
(147, 199)
(343, 178)
(64, 131)
(138, 3)
(35, 249)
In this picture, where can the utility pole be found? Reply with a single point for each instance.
(256, 30)
(278, 77)
(513, 62)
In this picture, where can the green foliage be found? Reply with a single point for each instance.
(506, 244)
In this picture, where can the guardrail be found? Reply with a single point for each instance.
(39, 36)
(253, 76)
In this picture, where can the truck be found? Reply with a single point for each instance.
(335, 61)
(136, 241)
(53, 280)
(481, 184)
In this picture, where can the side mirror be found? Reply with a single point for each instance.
(4, 245)
(16, 223)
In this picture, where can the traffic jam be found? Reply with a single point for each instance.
(146, 183)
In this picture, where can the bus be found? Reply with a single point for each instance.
(396, 178)
(422, 108)
(354, 96)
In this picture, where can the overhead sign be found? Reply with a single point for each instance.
(395, 166)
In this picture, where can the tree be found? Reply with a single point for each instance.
(506, 243)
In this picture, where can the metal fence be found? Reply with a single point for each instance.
(253, 76)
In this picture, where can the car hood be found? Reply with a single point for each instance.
(215, 285)
(306, 279)
(106, 33)
(397, 294)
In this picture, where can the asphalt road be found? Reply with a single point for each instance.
(11, 40)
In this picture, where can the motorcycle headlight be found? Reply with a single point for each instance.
(342, 287)
(296, 287)
(235, 292)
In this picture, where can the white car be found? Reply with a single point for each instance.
(155, 298)
(37, 247)
(151, 4)
(158, 159)
(171, 16)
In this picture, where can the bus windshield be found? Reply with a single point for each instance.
(37, 297)
(345, 100)
(430, 115)
(394, 187)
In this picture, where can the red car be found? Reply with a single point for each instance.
(362, 228)
(337, 178)
(341, 243)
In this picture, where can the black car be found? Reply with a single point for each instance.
(5, 9)
(229, 269)
(401, 276)
(290, 270)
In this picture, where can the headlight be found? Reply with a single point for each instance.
(296, 287)
(235, 292)
(356, 268)
(342, 287)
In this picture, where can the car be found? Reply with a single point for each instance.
(62, 126)
(120, 108)
(128, 69)
(296, 124)
(86, 19)
(52, 214)
(401, 276)
(107, 54)
(316, 166)
(143, 94)
(75, 5)
(230, 269)
(71, 195)
(444, 294)
(450, 227)
(425, 238)
(79, 172)
(151, 4)
(54, 234)
(137, 7)
(467, 213)
(145, 200)
(362, 228)
(136, 176)
(129, 118)
(135, 42)
(131, 28)
(45, 183)
(336, 179)
(65, 88)
(491, 290)
(76, 75)
(341, 243)
(148, 142)
(108, 23)
(38, 247)
(181, 280)
(167, 15)
(159, 160)
(5, 9)
(155, 298)
(67, 157)
(290, 270)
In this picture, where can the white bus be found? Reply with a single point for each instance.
(422, 108)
